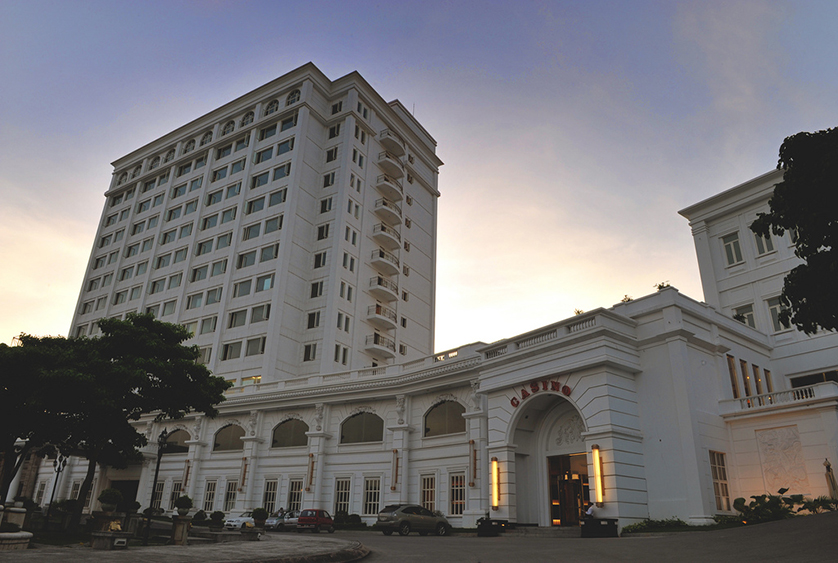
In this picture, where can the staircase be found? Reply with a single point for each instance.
(557, 532)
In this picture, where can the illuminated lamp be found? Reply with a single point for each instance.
(495, 484)
(597, 460)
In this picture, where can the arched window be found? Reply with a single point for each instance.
(206, 138)
(292, 98)
(175, 442)
(189, 146)
(154, 163)
(228, 439)
(122, 178)
(247, 119)
(137, 170)
(362, 427)
(169, 155)
(445, 418)
(290, 433)
(272, 107)
(228, 128)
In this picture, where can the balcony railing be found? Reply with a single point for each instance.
(820, 392)
(391, 163)
(378, 255)
(391, 141)
(382, 341)
(382, 311)
(384, 203)
(389, 186)
(386, 236)
(379, 281)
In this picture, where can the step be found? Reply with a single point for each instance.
(551, 532)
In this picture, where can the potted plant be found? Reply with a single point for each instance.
(259, 517)
(216, 521)
(133, 506)
(109, 499)
(183, 504)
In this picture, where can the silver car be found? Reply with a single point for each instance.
(406, 518)
(289, 521)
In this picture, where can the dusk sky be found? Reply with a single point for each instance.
(572, 132)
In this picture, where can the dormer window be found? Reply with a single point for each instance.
(292, 98)
(247, 119)
(272, 107)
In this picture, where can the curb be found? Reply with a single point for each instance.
(347, 555)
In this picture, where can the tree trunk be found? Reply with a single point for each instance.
(75, 518)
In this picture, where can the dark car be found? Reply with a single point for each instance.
(406, 518)
(315, 520)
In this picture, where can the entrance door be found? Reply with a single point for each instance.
(128, 490)
(568, 476)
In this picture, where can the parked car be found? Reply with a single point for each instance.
(274, 521)
(315, 520)
(239, 522)
(406, 518)
(289, 521)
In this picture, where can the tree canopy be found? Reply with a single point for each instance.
(82, 394)
(806, 203)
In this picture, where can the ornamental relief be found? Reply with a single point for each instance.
(783, 463)
(569, 430)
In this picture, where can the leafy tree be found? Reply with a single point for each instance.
(806, 203)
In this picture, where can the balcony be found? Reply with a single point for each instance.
(381, 346)
(386, 262)
(388, 211)
(384, 289)
(382, 317)
(389, 187)
(392, 142)
(390, 164)
(820, 393)
(386, 236)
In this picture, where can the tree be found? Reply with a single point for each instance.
(806, 203)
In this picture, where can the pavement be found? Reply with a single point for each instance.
(805, 538)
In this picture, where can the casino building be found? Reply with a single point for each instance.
(293, 230)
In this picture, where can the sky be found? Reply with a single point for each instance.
(572, 131)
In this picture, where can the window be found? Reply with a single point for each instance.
(105, 241)
(162, 261)
(251, 231)
(764, 244)
(153, 310)
(316, 289)
(111, 220)
(198, 274)
(731, 368)
(457, 494)
(180, 190)
(120, 297)
(334, 131)
(191, 327)
(209, 493)
(775, 307)
(328, 179)
(185, 231)
(157, 286)
(288, 123)
(228, 215)
(247, 119)
(175, 280)
(323, 232)
(147, 243)
(208, 325)
(219, 174)
(213, 296)
(325, 205)
(190, 207)
(157, 494)
(269, 498)
(264, 283)
(349, 262)
(407, 222)
(107, 279)
(223, 241)
(135, 293)
(309, 352)
(332, 154)
(295, 494)
(285, 146)
(173, 214)
(223, 151)
(242, 143)
(346, 291)
(87, 307)
(267, 132)
(336, 108)
(163, 179)
(142, 206)
(320, 259)
(408, 199)
(230, 495)
(428, 492)
(362, 109)
(292, 98)
(272, 107)
(177, 486)
(263, 155)
(112, 257)
(209, 222)
(277, 197)
(214, 198)
(169, 307)
(231, 351)
(260, 313)
(203, 247)
(99, 262)
(313, 319)
(93, 284)
(404, 322)
(255, 346)
(126, 273)
(733, 253)
(362, 427)
(242, 288)
(274, 224)
(372, 495)
(259, 180)
(246, 259)
(745, 315)
(155, 162)
(184, 169)
(720, 487)
(406, 246)
(219, 268)
(237, 318)
(343, 322)
(282, 171)
(342, 491)
(132, 250)
(194, 301)
(137, 228)
(445, 418)
(341, 354)
(405, 296)
(255, 205)
(405, 270)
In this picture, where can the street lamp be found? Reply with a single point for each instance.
(58, 465)
(161, 445)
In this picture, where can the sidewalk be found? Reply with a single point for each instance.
(273, 548)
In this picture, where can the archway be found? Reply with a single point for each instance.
(551, 468)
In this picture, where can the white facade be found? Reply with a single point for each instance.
(687, 407)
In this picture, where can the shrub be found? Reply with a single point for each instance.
(200, 516)
(259, 514)
(110, 496)
(183, 502)
(648, 525)
(341, 517)
(767, 508)
(134, 506)
(354, 520)
(9, 527)
(217, 516)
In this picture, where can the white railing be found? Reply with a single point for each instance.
(789, 398)
(537, 339)
(587, 323)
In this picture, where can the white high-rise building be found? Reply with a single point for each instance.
(292, 230)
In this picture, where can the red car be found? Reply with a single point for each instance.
(315, 520)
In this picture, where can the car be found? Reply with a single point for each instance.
(289, 521)
(274, 521)
(406, 518)
(244, 520)
(315, 520)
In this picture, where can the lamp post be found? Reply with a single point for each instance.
(58, 465)
(161, 445)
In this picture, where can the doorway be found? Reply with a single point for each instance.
(129, 493)
(568, 478)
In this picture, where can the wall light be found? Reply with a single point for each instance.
(495, 484)
(597, 461)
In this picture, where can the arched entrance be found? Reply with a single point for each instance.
(551, 468)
